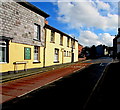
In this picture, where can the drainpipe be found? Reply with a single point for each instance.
(62, 49)
(44, 50)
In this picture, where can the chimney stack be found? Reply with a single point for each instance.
(46, 22)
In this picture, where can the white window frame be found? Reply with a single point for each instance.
(61, 39)
(37, 32)
(52, 39)
(36, 54)
(68, 41)
(5, 52)
(56, 55)
(64, 53)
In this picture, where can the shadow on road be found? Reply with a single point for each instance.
(70, 92)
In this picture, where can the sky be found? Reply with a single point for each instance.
(92, 22)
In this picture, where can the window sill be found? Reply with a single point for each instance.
(36, 62)
(37, 40)
(56, 61)
(61, 44)
(52, 42)
(3, 62)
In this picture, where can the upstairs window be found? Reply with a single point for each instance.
(52, 36)
(37, 32)
(73, 43)
(61, 39)
(68, 41)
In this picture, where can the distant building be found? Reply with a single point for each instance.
(116, 45)
(102, 50)
(99, 51)
(118, 41)
(80, 47)
(81, 55)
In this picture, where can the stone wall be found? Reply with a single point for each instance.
(18, 21)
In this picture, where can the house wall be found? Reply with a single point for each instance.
(16, 53)
(80, 47)
(17, 22)
(50, 49)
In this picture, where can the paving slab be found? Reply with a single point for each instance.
(4, 98)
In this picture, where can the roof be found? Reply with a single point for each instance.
(56, 30)
(80, 44)
(34, 8)
(116, 37)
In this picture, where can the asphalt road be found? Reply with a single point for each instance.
(70, 92)
(107, 94)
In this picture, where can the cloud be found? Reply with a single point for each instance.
(107, 39)
(89, 15)
(102, 5)
(80, 14)
(88, 38)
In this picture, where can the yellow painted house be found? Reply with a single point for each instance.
(59, 47)
(21, 36)
(26, 42)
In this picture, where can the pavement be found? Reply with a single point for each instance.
(29, 72)
(20, 86)
(107, 93)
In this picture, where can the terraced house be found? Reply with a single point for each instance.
(26, 42)
(60, 48)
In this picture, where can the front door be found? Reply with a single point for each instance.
(72, 57)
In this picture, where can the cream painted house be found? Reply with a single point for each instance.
(59, 47)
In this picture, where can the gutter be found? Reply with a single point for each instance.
(44, 49)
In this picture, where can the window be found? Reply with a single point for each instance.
(36, 54)
(52, 36)
(73, 43)
(67, 54)
(56, 57)
(68, 41)
(3, 52)
(64, 53)
(61, 39)
(36, 32)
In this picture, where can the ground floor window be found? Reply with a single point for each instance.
(56, 56)
(3, 52)
(64, 53)
(36, 53)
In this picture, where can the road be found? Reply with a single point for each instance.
(70, 92)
